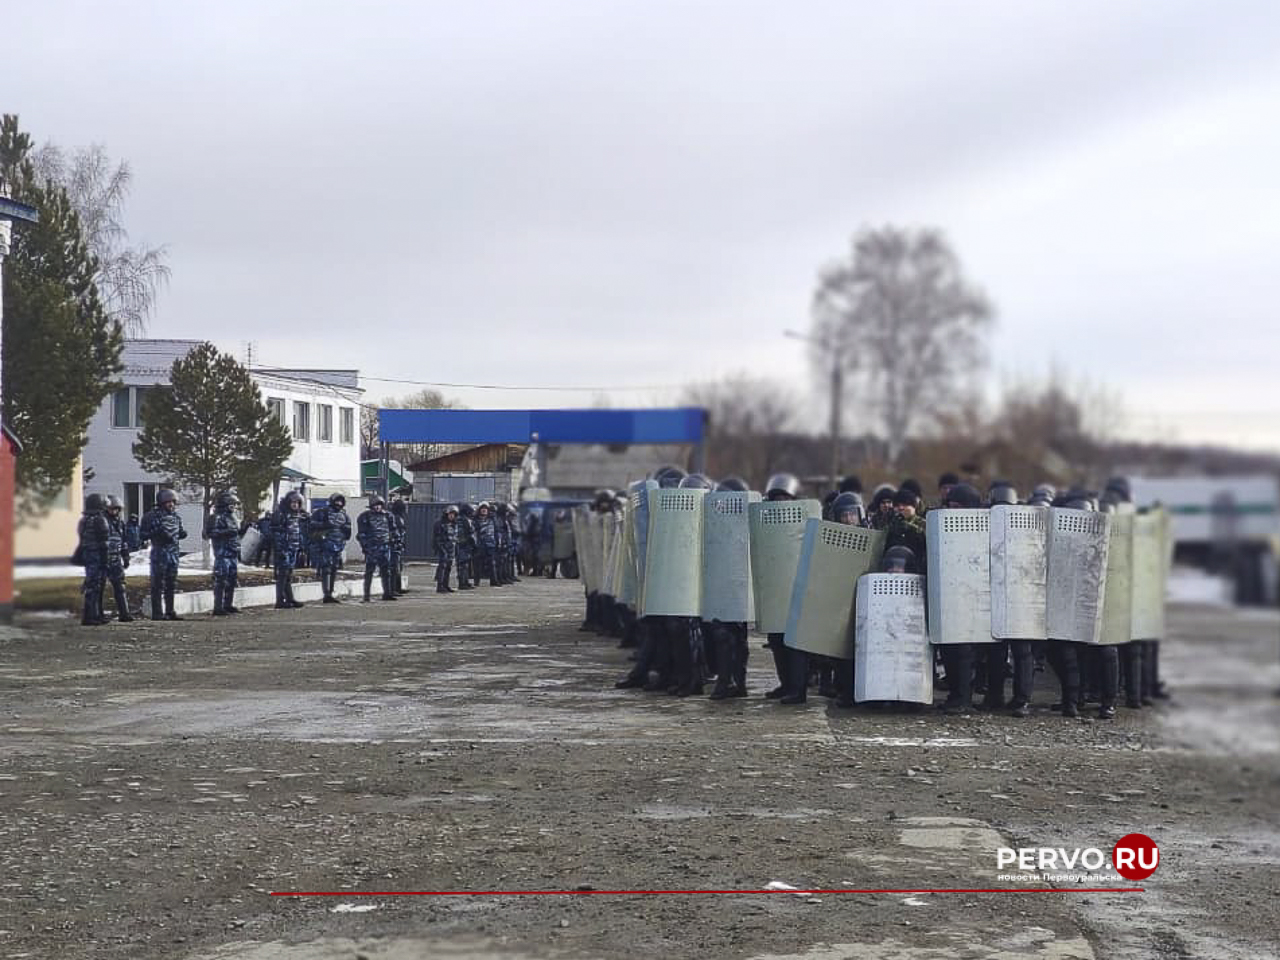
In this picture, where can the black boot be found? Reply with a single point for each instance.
(281, 602)
(169, 613)
(779, 666)
(157, 601)
(327, 578)
(228, 600)
(88, 614)
(293, 601)
(368, 584)
(798, 675)
(218, 609)
(386, 588)
(122, 603)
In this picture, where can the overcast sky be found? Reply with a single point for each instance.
(640, 193)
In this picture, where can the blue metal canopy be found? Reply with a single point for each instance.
(674, 425)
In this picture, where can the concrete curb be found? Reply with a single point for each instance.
(201, 601)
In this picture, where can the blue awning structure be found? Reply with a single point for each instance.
(671, 425)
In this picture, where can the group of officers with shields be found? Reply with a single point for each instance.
(877, 606)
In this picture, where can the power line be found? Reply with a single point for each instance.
(499, 386)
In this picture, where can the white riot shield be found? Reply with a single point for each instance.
(777, 536)
(832, 558)
(1117, 603)
(579, 517)
(1147, 587)
(673, 562)
(610, 530)
(1019, 572)
(893, 659)
(726, 557)
(595, 544)
(249, 544)
(625, 578)
(959, 582)
(1079, 541)
(638, 501)
(562, 536)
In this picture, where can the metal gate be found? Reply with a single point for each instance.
(463, 488)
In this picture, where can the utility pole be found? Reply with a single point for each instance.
(837, 393)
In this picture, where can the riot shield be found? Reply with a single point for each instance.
(1148, 582)
(625, 578)
(249, 543)
(595, 549)
(1117, 602)
(1019, 572)
(638, 501)
(726, 557)
(562, 535)
(893, 659)
(832, 557)
(959, 582)
(777, 535)
(673, 561)
(609, 529)
(1079, 541)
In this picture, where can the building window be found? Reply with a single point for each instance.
(301, 422)
(140, 395)
(121, 412)
(324, 423)
(276, 406)
(139, 497)
(346, 425)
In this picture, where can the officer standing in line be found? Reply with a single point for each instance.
(998, 654)
(1069, 658)
(91, 551)
(287, 531)
(445, 539)
(486, 543)
(732, 649)
(466, 546)
(957, 658)
(163, 528)
(905, 526)
(848, 510)
(945, 482)
(785, 486)
(374, 531)
(117, 559)
(224, 532)
(882, 512)
(501, 544)
(517, 538)
(400, 532)
(331, 526)
(684, 634)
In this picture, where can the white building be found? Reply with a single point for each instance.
(321, 408)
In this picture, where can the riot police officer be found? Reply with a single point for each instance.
(91, 551)
(785, 486)
(287, 541)
(162, 526)
(445, 538)
(224, 532)
(957, 658)
(117, 559)
(466, 547)
(374, 531)
(331, 528)
(399, 533)
(486, 543)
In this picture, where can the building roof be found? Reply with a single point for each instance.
(148, 361)
(349, 379)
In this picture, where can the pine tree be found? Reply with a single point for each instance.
(61, 349)
(209, 429)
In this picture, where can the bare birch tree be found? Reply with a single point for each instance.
(906, 325)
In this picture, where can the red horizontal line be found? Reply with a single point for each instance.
(629, 893)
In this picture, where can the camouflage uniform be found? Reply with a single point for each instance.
(330, 530)
(164, 529)
(91, 551)
(445, 539)
(288, 528)
(487, 545)
(375, 531)
(466, 546)
(117, 560)
(224, 532)
(399, 529)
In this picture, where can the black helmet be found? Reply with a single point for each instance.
(94, 503)
(906, 497)
(399, 507)
(503, 509)
(227, 501)
(697, 481)
(113, 502)
(732, 483)
(1079, 503)
(337, 501)
(468, 510)
(848, 502)
(603, 499)
(668, 477)
(786, 484)
(166, 496)
(948, 479)
(851, 484)
(963, 495)
(375, 500)
(1002, 492)
(898, 559)
(1120, 487)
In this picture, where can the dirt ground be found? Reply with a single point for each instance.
(158, 781)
